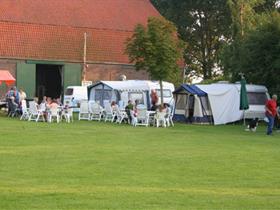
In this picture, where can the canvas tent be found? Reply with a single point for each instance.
(129, 90)
(222, 102)
(192, 105)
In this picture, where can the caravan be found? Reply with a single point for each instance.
(218, 103)
(122, 91)
(74, 95)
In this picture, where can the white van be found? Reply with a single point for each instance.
(74, 94)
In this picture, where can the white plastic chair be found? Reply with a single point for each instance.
(120, 115)
(109, 113)
(84, 111)
(96, 111)
(67, 114)
(53, 113)
(25, 111)
(160, 119)
(169, 117)
(35, 114)
(142, 117)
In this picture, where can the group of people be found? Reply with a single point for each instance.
(14, 98)
(132, 109)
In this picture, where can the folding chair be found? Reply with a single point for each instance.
(25, 111)
(84, 111)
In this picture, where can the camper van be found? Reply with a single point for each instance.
(122, 91)
(74, 94)
(218, 103)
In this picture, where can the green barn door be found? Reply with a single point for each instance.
(26, 78)
(72, 75)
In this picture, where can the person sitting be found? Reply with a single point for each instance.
(160, 116)
(43, 107)
(53, 104)
(114, 106)
(129, 107)
(12, 107)
(13, 92)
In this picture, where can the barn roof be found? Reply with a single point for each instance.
(54, 29)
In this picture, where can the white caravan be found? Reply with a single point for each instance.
(122, 91)
(75, 94)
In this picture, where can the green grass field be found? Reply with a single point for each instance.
(93, 165)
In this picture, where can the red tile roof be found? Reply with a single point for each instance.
(53, 29)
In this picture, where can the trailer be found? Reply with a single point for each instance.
(123, 91)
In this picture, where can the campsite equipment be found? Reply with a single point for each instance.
(74, 95)
(220, 103)
(140, 90)
(244, 104)
(192, 105)
(6, 77)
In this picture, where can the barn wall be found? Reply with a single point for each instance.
(96, 72)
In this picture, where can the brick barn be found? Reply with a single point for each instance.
(42, 41)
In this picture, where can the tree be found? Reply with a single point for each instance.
(246, 17)
(261, 53)
(156, 49)
(204, 26)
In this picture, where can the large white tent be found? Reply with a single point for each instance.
(224, 101)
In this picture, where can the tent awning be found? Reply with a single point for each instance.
(192, 89)
(6, 77)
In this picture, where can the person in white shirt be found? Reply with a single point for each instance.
(22, 95)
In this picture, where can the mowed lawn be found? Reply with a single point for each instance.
(96, 165)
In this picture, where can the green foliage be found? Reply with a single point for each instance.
(245, 14)
(156, 49)
(204, 26)
(94, 165)
(257, 54)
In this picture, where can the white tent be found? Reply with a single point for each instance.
(129, 90)
(224, 100)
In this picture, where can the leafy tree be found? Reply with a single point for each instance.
(261, 53)
(246, 17)
(156, 49)
(204, 26)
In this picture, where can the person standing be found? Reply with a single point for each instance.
(154, 100)
(271, 113)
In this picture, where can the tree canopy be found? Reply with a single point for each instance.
(155, 48)
(260, 52)
(204, 26)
